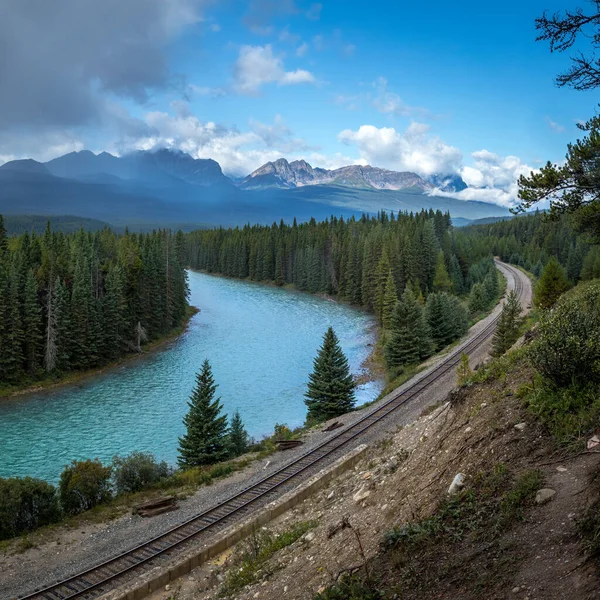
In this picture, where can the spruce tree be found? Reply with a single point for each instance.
(507, 330)
(330, 390)
(463, 371)
(238, 436)
(553, 282)
(439, 316)
(409, 342)
(205, 440)
(477, 299)
(441, 280)
(390, 299)
(32, 324)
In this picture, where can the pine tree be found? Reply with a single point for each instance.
(507, 330)
(330, 390)
(409, 342)
(477, 299)
(390, 299)
(32, 324)
(205, 440)
(238, 436)
(440, 318)
(441, 280)
(553, 282)
(463, 371)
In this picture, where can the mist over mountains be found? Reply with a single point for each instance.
(167, 187)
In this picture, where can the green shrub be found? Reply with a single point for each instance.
(26, 503)
(138, 470)
(569, 412)
(567, 348)
(83, 485)
(351, 587)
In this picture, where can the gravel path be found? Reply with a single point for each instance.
(74, 550)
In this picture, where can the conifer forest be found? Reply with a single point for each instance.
(71, 302)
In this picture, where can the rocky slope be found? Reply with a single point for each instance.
(513, 530)
(283, 174)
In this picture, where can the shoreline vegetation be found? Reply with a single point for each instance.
(55, 382)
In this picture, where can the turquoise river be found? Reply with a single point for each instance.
(261, 342)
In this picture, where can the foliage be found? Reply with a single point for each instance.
(238, 436)
(410, 341)
(562, 33)
(74, 301)
(135, 472)
(569, 412)
(350, 587)
(205, 441)
(330, 390)
(588, 527)
(494, 501)
(565, 349)
(349, 259)
(26, 503)
(508, 327)
(553, 282)
(463, 371)
(446, 317)
(83, 485)
(256, 552)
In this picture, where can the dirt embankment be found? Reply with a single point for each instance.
(497, 537)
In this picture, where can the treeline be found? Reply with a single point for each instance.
(348, 259)
(78, 301)
(531, 241)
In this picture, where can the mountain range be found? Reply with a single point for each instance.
(147, 188)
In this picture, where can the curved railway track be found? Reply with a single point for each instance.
(103, 577)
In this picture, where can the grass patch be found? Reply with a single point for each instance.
(251, 564)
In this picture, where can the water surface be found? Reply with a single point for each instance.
(260, 341)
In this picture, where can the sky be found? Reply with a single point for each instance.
(430, 87)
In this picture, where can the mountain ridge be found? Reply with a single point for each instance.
(167, 186)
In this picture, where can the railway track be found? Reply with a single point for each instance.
(103, 577)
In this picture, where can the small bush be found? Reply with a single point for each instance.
(26, 503)
(83, 485)
(257, 550)
(567, 347)
(569, 413)
(350, 587)
(138, 470)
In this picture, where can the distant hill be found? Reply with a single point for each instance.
(167, 187)
(17, 224)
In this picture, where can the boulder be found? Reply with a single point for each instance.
(457, 483)
(544, 495)
(363, 493)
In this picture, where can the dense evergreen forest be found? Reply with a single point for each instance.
(78, 301)
(348, 259)
(410, 270)
(531, 240)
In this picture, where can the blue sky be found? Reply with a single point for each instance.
(431, 87)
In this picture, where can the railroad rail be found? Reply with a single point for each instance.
(104, 577)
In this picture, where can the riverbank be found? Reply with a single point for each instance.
(53, 382)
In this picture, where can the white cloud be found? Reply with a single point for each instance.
(238, 152)
(554, 125)
(413, 150)
(302, 49)
(257, 65)
(215, 28)
(491, 178)
(390, 103)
